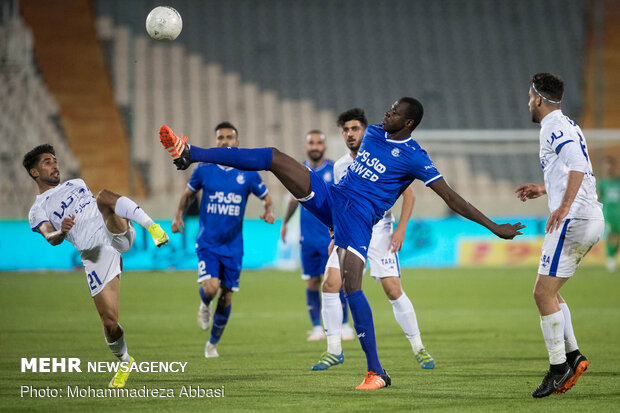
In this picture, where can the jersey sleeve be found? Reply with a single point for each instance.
(424, 169)
(568, 149)
(258, 187)
(36, 217)
(195, 182)
(339, 170)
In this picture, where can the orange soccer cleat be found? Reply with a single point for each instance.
(579, 366)
(374, 381)
(173, 144)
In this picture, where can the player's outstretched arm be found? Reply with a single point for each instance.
(398, 237)
(530, 191)
(268, 214)
(290, 210)
(467, 210)
(186, 200)
(53, 236)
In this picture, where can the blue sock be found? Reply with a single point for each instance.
(362, 321)
(313, 301)
(220, 319)
(258, 159)
(204, 297)
(345, 307)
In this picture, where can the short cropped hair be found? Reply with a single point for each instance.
(316, 132)
(352, 114)
(226, 125)
(31, 159)
(415, 110)
(549, 86)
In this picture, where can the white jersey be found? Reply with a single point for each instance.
(72, 197)
(562, 149)
(340, 169)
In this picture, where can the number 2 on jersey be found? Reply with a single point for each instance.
(93, 280)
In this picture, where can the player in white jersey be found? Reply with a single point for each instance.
(99, 228)
(574, 226)
(382, 256)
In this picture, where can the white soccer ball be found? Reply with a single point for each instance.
(164, 23)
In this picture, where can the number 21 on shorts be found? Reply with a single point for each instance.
(93, 280)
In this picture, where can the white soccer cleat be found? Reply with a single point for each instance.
(204, 315)
(316, 334)
(347, 333)
(211, 350)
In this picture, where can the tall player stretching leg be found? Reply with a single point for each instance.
(376, 179)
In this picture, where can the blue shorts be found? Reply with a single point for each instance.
(313, 260)
(227, 269)
(351, 222)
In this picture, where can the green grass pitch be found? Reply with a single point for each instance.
(481, 325)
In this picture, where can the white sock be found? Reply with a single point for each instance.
(332, 320)
(570, 342)
(552, 327)
(119, 347)
(406, 318)
(126, 208)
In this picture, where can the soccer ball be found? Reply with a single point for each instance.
(164, 23)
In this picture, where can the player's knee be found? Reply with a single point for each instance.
(106, 199)
(314, 283)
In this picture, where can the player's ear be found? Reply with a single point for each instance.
(34, 172)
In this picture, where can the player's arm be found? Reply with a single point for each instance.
(54, 236)
(530, 191)
(398, 237)
(467, 210)
(290, 210)
(268, 214)
(572, 187)
(186, 200)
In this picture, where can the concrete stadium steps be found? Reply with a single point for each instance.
(71, 61)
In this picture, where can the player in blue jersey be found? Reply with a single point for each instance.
(219, 245)
(315, 239)
(388, 161)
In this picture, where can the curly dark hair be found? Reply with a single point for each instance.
(352, 114)
(31, 159)
(549, 86)
(226, 125)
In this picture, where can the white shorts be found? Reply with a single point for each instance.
(383, 262)
(103, 262)
(564, 248)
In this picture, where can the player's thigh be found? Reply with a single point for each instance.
(209, 271)
(231, 272)
(294, 176)
(319, 202)
(352, 269)
(106, 301)
(101, 264)
(563, 249)
(123, 241)
(332, 282)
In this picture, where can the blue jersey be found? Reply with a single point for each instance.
(224, 196)
(383, 169)
(313, 231)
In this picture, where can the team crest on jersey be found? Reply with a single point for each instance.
(240, 179)
(395, 152)
(327, 177)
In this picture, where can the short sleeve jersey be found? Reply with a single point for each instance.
(563, 148)
(383, 169)
(225, 194)
(313, 231)
(69, 198)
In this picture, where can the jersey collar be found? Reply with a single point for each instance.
(226, 168)
(397, 141)
(554, 114)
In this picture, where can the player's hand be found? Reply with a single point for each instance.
(268, 217)
(509, 231)
(178, 225)
(67, 224)
(398, 237)
(529, 191)
(283, 232)
(556, 218)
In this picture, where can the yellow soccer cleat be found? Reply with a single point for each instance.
(120, 378)
(159, 235)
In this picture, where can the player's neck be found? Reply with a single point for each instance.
(353, 154)
(400, 135)
(316, 164)
(45, 187)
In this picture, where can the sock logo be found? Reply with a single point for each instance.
(361, 335)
